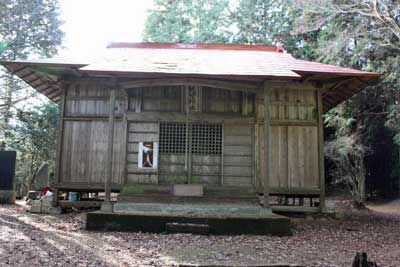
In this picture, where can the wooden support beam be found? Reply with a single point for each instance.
(42, 86)
(35, 80)
(110, 150)
(59, 145)
(15, 72)
(53, 94)
(45, 89)
(26, 75)
(266, 145)
(321, 151)
(228, 85)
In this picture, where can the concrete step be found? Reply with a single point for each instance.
(168, 190)
(194, 210)
(168, 199)
(223, 219)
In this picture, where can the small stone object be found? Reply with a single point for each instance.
(107, 207)
(188, 190)
(44, 206)
(41, 177)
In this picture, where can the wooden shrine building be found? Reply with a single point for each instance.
(193, 120)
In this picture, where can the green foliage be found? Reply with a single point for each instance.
(3, 47)
(393, 122)
(188, 21)
(248, 22)
(364, 35)
(35, 131)
(347, 154)
(340, 119)
(271, 22)
(26, 28)
(34, 137)
(29, 27)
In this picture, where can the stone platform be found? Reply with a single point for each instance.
(220, 219)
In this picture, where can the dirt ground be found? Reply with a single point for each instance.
(46, 240)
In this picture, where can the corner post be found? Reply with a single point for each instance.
(60, 139)
(266, 146)
(107, 206)
(321, 151)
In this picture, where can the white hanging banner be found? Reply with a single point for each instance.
(148, 155)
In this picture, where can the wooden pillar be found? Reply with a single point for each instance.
(59, 145)
(266, 146)
(110, 149)
(321, 151)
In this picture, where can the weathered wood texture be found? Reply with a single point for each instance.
(212, 83)
(110, 146)
(294, 135)
(140, 132)
(203, 169)
(294, 157)
(91, 98)
(294, 150)
(218, 100)
(267, 146)
(238, 155)
(287, 106)
(238, 166)
(85, 150)
(321, 151)
(59, 153)
(201, 99)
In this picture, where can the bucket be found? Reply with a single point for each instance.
(73, 196)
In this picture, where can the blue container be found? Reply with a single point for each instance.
(73, 196)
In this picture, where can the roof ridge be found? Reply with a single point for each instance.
(202, 46)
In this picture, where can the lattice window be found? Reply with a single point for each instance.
(207, 139)
(172, 138)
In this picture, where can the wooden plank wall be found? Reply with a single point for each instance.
(206, 169)
(140, 132)
(202, 99)
(84, 152)
(238, 155)
(172, 168)
(238, 167)
(294, 136)
(293, 140)
(91, 98)
(219, 100)
(84, 148)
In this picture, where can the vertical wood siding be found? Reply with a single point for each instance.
(140, 132)
(85, 152)
(293, 140)
(91, 99)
